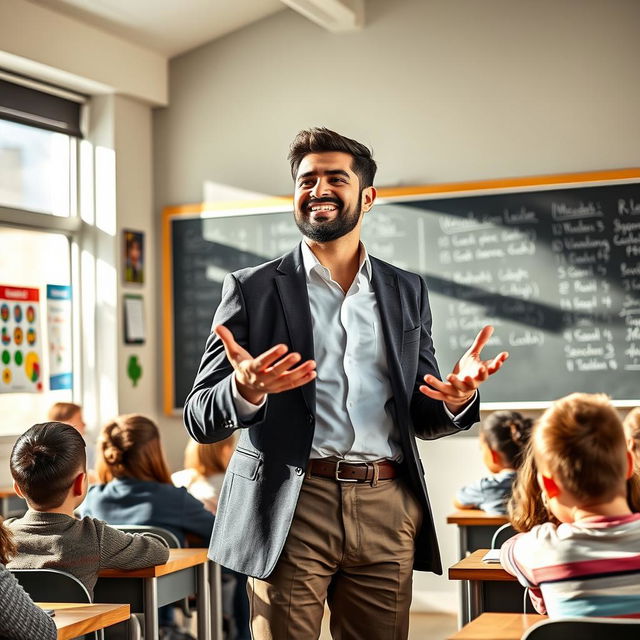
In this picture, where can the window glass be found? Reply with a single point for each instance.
(35, 168)
(32, 259)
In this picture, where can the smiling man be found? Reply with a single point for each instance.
(323, 359)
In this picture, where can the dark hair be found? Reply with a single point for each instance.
(322, 140)
(45, 461)
(129, 447)
(507, 432)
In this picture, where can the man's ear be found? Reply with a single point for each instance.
(78, 484)
(368, 198)
(16, 488)
(631, 464)
(550, 487)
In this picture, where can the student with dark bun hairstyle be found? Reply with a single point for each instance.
(503, 439)
(48, 466)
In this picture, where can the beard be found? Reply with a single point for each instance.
(325, 231)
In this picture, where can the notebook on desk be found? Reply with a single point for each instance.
(492, 556)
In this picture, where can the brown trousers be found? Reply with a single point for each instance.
(351, 544)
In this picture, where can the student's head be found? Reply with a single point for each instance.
(333, 183)
(581, 454)
(129, 447)
(69, 413)
(48, 463)
(503, 437)
(631, 425)
(208, 459)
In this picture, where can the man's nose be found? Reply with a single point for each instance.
(320, 188)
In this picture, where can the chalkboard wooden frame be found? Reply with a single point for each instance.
(388, 195)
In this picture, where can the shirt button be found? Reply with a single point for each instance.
(299, 471)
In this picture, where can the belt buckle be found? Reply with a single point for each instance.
(338, 478)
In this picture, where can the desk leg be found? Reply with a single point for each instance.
(151, 630)
(463, 543)
(475, 599)
(202, 602)
(215, 589)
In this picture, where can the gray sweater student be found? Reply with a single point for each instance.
(48, 465)
(20, 618)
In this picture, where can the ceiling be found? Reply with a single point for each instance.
(169, 27)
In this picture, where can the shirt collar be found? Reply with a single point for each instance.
(311, 262)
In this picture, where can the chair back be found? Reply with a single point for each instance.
(47, 585)
(501, 534)
(168, 536)
(585, 629)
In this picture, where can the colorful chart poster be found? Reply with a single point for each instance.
(59, 334)
(21, 348)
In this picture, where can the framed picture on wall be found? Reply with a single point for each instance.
(133, 256)
(134, 329)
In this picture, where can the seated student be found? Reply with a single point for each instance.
(503, 436)
(204, 467)
(20, 619)
(631, 425)
(588, 565)
(136, 484)
(71, 413)
(49, 470)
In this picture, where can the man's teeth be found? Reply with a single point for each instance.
(324, 207)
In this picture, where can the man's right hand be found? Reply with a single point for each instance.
(271, 372)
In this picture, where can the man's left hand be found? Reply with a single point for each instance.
(470, 372)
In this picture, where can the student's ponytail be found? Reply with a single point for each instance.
(508, 433)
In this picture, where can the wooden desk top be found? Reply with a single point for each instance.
(476, 518)
(178, 559)
(497, 626)
(75, 620)
(472, 568)
(7, 492)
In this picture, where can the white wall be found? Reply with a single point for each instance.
(443, 91)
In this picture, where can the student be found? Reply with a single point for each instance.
(631, 425)
(20, 619)
(503, 436)
(136, 485)
(204, 467)
(589, 564)
(49, 470)
(71, 413)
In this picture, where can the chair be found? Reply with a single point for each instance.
(584, 629)
(45, 585)
(505, 529)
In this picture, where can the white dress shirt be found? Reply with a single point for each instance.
(352, 384)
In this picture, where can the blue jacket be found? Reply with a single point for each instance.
(131, 501)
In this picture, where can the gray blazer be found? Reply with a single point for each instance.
(267, 305)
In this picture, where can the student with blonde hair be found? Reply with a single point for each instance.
(631, 425)
(204, 469)
(589, 564)
(71, 413)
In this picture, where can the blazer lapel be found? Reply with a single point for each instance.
(292, 288)
(385, 286)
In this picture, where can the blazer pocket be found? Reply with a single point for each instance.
(413, 335)
(245, 464)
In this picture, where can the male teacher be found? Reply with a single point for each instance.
(324, 360)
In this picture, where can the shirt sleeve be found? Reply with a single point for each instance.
(458, 419)
(246, 410)
(470, 495)
(20, 618)
(120, 550)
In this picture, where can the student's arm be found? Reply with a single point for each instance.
(469, 497)
(20, 619)
(120, 550)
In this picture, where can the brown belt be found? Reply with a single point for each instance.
(342, 471)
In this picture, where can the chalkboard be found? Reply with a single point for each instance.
(555, 270)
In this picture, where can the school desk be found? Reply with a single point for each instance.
(185, 573)
(489, 587)
(74, 620)
(10, 502)
(498, 626)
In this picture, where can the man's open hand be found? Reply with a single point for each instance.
(469, 373)
(270, 372)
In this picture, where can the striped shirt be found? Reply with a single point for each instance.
(585, 568)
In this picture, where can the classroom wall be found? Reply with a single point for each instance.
(443, 91)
